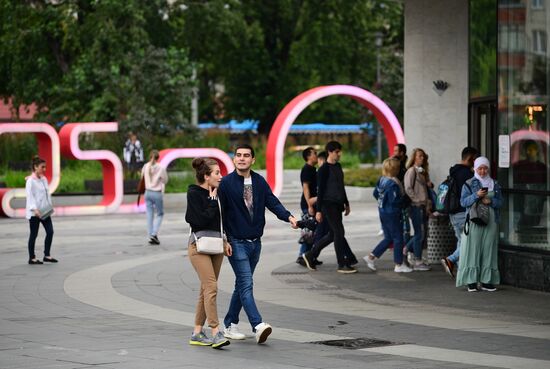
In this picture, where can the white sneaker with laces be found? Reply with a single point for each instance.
(263, 330)
(403, 268)
(370, 263)
(232, 332)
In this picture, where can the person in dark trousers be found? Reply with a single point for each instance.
(244, 196)
(331, 202)
(203, 215)
(308, 179)
(133, 154)
(400, 152)
(322, 228)
(460, 172)
(38, 197)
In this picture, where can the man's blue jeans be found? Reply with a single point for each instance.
(418, 217)
(245, 257)
(457, 220)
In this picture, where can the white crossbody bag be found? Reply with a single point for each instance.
(210, 244)
(47, 210)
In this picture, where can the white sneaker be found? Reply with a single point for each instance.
(263, 330)
(380, 233)
(232, 332)
(403, 268)
(370, 263)
(410, 258)
(421, 266)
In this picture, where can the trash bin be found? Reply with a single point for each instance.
(441, 238)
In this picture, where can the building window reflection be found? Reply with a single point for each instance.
(523, 95)
(539, 42)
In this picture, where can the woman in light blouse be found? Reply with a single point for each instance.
(155, 180)
(38, 198)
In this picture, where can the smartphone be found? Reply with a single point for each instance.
(484, 189)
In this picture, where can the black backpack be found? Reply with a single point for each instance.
(448, 201)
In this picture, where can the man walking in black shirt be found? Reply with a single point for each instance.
(331, 202)
(308, 178)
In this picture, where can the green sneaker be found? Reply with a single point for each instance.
(200, 339)
(218, 341)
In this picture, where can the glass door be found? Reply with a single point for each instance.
(482, 130)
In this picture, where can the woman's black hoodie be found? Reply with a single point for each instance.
(202, 211)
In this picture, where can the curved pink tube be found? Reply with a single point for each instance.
(279, 131)
(113, 191)
(48, 149)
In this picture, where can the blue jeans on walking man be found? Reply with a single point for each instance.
(245, 257)
(457, 220)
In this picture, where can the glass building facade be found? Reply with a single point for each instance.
(509, 91)
(523, 97)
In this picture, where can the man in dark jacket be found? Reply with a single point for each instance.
(460, 172)
(244, 196)
(332, 200)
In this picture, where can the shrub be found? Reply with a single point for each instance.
(362, 177)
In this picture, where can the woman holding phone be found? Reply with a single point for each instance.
(203, 215)
(479, 248)
(38, 209)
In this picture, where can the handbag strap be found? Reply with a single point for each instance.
(221, 221)
(46, 189)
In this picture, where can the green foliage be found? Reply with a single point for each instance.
(132, 62)
(363, 177)
(75, 172)
(483, 46)
(265, 53)
(14, 178)
(16, 148)
(96, 61)
(179, 183)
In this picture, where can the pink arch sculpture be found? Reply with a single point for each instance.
(113, 191)
(48, 149)
(169, 155)
(277, 136)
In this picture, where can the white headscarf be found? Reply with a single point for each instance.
(486, 181)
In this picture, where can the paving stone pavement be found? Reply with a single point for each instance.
(114, 301)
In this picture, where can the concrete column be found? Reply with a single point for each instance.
(436, 48)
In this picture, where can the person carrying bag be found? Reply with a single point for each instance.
(482, 198)
(38, 209)
(206, 247)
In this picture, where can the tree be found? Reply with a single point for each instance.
(265, 53)
(103, 60)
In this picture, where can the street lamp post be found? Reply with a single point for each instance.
(378, 42)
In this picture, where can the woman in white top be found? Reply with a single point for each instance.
(38, 199)
(155, 178)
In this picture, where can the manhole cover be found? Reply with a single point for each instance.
(356, 343)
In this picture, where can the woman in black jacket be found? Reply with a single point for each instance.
(203, 215)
